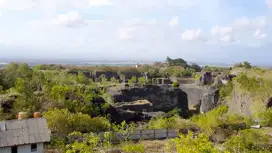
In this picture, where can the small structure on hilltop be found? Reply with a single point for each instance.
(24, 135)
(161, 81)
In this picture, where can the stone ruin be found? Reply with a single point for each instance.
(162, 98)
(161, 81)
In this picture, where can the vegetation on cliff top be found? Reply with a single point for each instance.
(67, 101)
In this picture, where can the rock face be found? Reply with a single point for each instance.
(194, 93)
(209, 100)
(163, 98)
(119, 115)
(136, 106)
(206, 78)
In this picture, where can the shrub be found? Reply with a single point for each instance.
(175, 84)
(173, 122)
(248, 141)
(210, 120)
(134, 148)
(189, 144)
(62, 121)
(266, 117)
(197, 76)
(226, 90)
(89, 144)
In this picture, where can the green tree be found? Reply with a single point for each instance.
(132, 80)
(125, 130)
(175, 84)
(246, 64)
(176, 62)
(89, 144)
(142, 80)
(64, 122)
(81, 78)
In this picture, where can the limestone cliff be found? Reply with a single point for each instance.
(163, 98)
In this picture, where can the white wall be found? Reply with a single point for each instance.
(24, 149)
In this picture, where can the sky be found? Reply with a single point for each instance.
(197, 30)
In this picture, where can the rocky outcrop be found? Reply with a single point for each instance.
(209, 100)
(205, 78)
(107, 74)
(136, 106)
(163, 98)
(120, 115)
(194, 93)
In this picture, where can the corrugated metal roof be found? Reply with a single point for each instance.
(20, 132)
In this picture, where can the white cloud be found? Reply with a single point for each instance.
(244, 22)
(126, 33)
(18, 5)
(227, 39)
(221, 31)
(71, 19)
(241, 22)
(174, 21)
(99, 3)
(191, 34)
(269, 3)
(259, 34)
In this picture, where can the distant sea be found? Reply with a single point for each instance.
(79, 62)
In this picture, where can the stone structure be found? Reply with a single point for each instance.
(161, 81)
(162, 98)
(108, 75)
(206, 78)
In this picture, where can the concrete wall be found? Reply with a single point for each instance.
(24, 149)
(145, 134)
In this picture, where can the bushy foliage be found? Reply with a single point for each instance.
(132, 80)
(266, 117)
(245, 64)
(170, 122)
(226, 90)
(196, 77)
(213, 69)
(142, 80)
(89, 144)
(175, 84)
(250, 83)
(250, 141)
(64, 122)
(176, 62)
(124, 129)
(210, 120)
(133, 148)
(189, 144)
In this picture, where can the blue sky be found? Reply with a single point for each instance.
(196, 30)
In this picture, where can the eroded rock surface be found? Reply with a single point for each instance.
(209, 100)
(137, 106)
(206, 78)
(163, 98)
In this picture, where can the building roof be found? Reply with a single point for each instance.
(21, 132)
